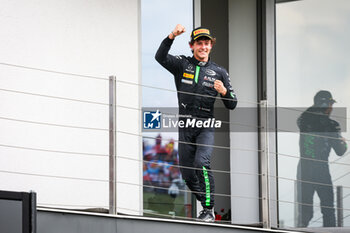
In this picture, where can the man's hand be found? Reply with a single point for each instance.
(178, 30)
(219, 87)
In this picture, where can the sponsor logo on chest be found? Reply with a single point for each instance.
(187, 81)
(208, 84)
(190, 68)
(210, 72)
(187, 75)
(210, 79)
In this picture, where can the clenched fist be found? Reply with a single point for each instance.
(219, 87)
(178, 30)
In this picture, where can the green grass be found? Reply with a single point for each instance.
(163, 204)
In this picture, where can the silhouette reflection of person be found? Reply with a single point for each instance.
(318, 135)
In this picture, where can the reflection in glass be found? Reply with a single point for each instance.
(319, 134)
(162, 179)
(163, 184)
(312, 55)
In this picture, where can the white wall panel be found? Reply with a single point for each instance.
(94, 38)
(243, 72)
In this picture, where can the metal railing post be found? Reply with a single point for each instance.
(340, 210)
(264, 165)
(194, 205)
(112, 146)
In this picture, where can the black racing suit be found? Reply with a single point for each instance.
(318, 135)
(194, 82)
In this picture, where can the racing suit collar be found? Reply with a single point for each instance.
(199, 63)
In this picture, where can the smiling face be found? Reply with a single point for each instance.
(201, 49)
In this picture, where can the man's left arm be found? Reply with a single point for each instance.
(337, 141)
(226, 91)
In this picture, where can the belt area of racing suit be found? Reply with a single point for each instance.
(195, 111)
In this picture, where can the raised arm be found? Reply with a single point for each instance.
(169, 62)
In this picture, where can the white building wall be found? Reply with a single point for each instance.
(95, 38)
(243, 72)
